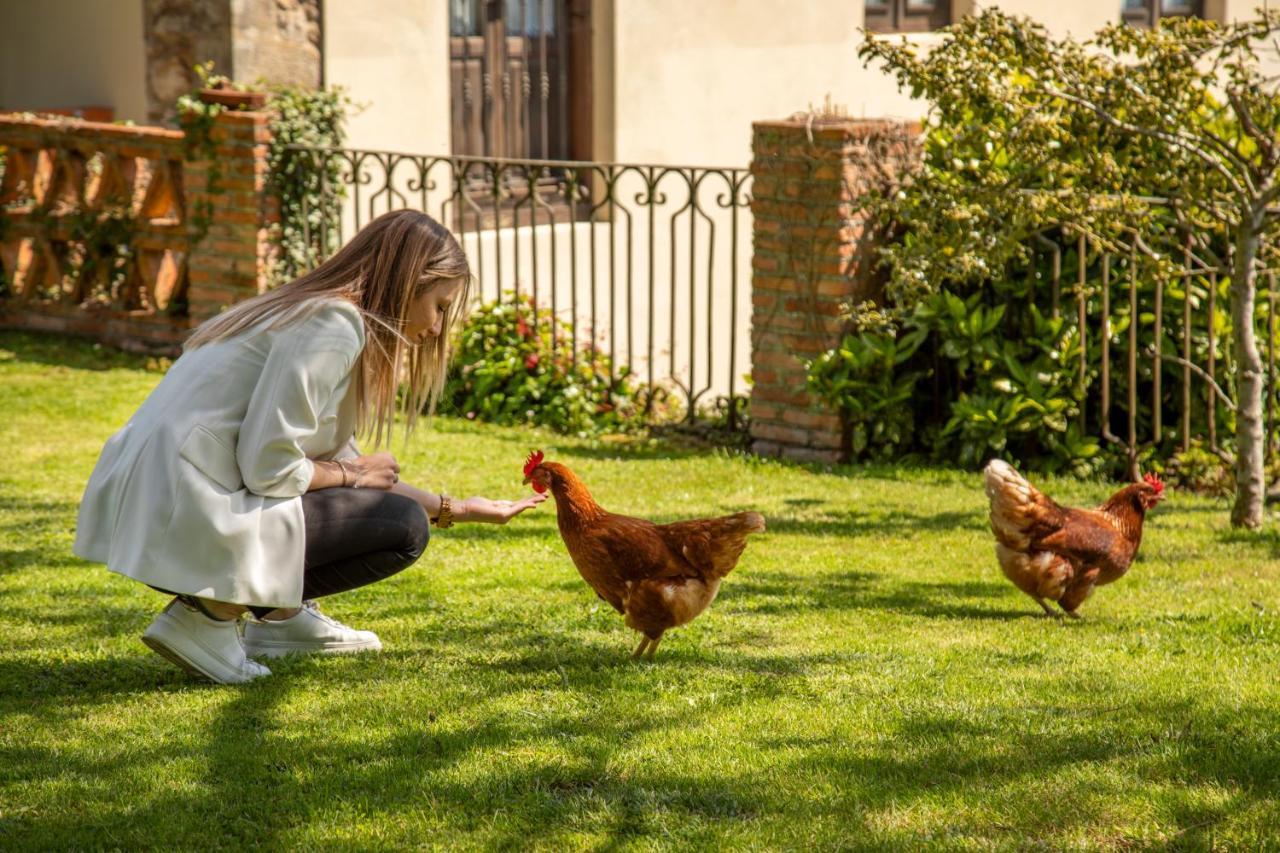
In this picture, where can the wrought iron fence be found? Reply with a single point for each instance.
(647, 264)
(1155, 362)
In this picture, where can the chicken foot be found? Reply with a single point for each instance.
(646, 648)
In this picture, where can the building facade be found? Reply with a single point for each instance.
(651, 81)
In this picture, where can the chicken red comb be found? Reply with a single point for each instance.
(1154, 482)
(534, 460)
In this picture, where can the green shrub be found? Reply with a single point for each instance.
(1010, 170)
(862, 379)
(1200, 470)
(509, 370)
(309, 187)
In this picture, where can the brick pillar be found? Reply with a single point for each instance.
(233, 258)
(811, 257)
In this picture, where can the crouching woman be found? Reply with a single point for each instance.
(237, 486)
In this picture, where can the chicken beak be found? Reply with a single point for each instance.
(525, 481)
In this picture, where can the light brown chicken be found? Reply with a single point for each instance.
(658, 576)
(1059, 553)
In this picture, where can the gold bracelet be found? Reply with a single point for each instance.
(445, 517)
(343, 468)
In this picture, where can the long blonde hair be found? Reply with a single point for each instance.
(389, 263)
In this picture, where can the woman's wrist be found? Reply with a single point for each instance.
(444, 515)
(458, 510)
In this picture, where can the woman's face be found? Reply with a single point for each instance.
(427, 312)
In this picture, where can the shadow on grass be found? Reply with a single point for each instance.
(28, 518)
(1266, 540)
(262, 781)
(935, 756)
(79, 353)
(627, 451)
(778, 593)
(853, 522)
(528, 526)
(26, 558)
(538, 776)
(37, 683)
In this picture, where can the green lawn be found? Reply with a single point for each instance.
(866, 678)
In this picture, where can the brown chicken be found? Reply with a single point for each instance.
(658, 576)
(1059, 553)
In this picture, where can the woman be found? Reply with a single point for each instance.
(237, 486)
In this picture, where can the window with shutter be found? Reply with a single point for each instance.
(907, 16)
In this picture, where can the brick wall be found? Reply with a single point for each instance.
(233, 258)
(189, 253)
(812, 255)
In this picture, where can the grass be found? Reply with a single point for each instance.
(866, 679)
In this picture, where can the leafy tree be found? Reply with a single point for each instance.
(1029, 131)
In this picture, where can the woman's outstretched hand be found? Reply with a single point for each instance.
(375, 471)
(497, 512)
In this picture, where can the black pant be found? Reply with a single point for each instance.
(355, 537)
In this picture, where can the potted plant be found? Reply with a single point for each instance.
(224, 92)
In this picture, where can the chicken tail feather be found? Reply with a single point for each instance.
(1015, 504)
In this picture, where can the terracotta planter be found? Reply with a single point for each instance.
(233, 99)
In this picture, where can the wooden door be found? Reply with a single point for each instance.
(515, 86)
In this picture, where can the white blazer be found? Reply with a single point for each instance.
(199, 493)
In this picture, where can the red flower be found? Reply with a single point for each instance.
(522, 328)
(531, 361)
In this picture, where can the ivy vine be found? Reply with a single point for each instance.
(308, 188)
(4, 225)
(197, 119)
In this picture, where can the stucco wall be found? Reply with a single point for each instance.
(73, 53)
(687, 79)
(1079, 18)
(392, 56)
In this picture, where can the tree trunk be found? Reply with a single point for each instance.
(1250, 438)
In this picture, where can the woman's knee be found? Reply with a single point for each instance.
(417, 530)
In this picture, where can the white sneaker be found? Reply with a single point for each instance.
(306, 631)
(202, 646)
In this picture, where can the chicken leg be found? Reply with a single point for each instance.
(648, 645)
(1045, 607)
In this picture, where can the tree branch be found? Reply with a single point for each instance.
(1225, 147)
(1173, 139)
(1269, 195)
(1199, 371)
(1265, 142)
